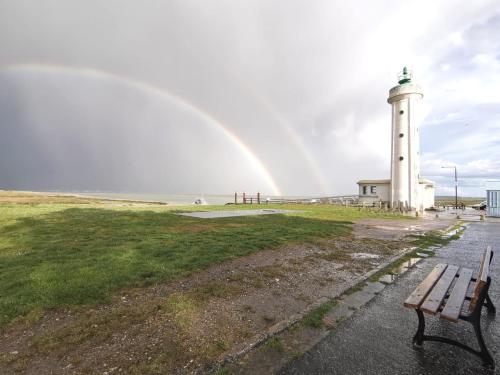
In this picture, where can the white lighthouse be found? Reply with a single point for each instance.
(405, 189)
(405, 100)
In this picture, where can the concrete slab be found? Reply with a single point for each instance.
(338, 314)
(358, 299)
(235, 213)
(352, 302)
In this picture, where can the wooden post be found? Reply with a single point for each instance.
(258, 197)
(235, 198)
(244, 198)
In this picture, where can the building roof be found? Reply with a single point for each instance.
(425, 181)
(388, 181)
(374, 182)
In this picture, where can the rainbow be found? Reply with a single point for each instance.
(292, 134)
(150, 89)
(288, 128)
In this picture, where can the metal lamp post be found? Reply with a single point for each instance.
(456, 184)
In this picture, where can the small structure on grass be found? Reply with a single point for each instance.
(493, 199)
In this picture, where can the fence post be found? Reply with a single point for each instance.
(258, 197)
(244, 198)
(235, 198)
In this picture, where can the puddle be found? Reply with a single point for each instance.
(453, 232)
(385, 227)
(387, 279)
(406, 265)
(364, 256)
(411, 228)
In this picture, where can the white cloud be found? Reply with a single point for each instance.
(474, 168)
(472, 175)
(485, 60)
(456, 38)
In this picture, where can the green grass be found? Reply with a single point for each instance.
(275, 344)
(356, 288)
(315, 318)
(68, 254)
(222, 371)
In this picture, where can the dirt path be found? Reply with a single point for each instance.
(398, 229)
(187, 325)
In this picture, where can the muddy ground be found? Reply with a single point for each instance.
(188, 325)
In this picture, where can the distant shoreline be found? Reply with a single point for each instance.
(83, 196)
(146, 198)
(169, 199)
(78, 195)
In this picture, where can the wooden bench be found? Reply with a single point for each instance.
(456, 295)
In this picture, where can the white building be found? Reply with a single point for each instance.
(405, 188)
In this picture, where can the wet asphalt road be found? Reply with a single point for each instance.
(377, 339)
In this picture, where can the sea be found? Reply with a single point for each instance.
(173, 199)
(177, 199)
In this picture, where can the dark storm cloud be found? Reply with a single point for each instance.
(301, 84)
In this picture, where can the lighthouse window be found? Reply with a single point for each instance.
(401, 135)
(401, 158)
(401, 112)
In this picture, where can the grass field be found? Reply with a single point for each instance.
(65, 251)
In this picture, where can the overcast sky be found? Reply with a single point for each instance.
(216, 96)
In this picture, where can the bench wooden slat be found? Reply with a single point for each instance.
(436, 296)
(482, 278)
(456, 300)
(417, 297)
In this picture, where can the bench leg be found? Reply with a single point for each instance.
(418, 339)
(489, 305)
(483, 353)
